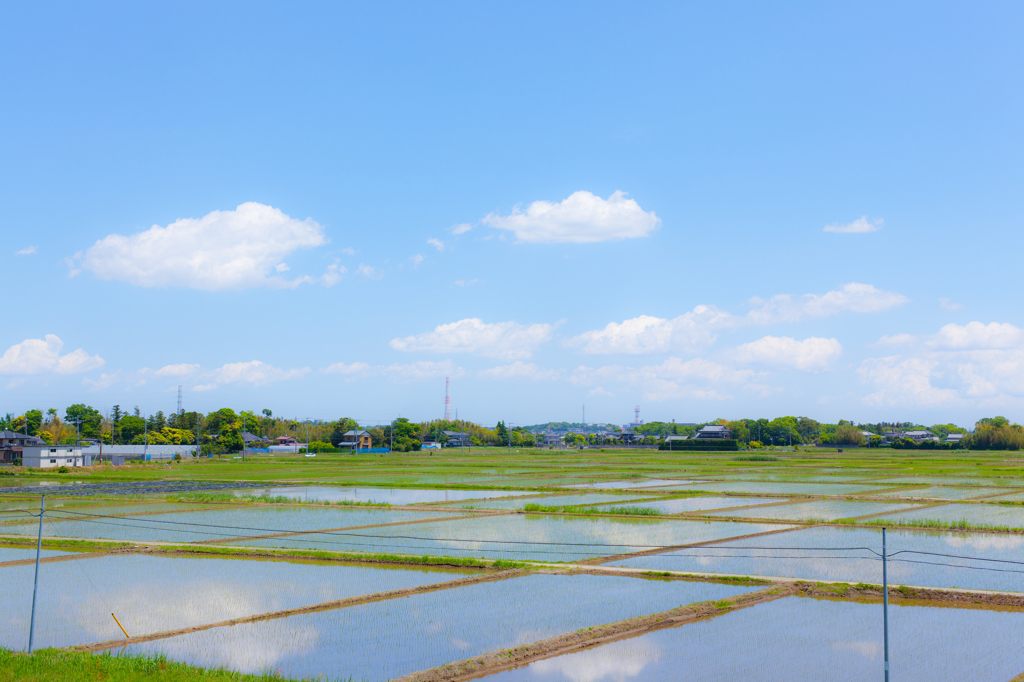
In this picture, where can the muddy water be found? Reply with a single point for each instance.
(835, 553)
(524, 536)
(387, 639)
(838, 641)
(396, 496)
(153, 594)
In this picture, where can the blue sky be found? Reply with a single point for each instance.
(709, 211)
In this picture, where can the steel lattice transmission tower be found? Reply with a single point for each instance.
(447, 400)
(179, 398)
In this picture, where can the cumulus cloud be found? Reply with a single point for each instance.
(335, 271)
(978, 335)
(976, 363)
(236, 249)
(581, 218)
(255, 372)
(179, 370)
(691, 331)
(811, 354)
(506, 340)
(462, 228)
(905, 382)
(368, 271)
(42, 356)
(896, 340)
(948, 304)
(853, 297)
(696, 330)
(672, 379)
(859, 226)
(520, 370)
(424, 369)
(436, 243)
(352, 370)
(27, 251)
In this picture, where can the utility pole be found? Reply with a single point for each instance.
(145, 449)
(243, 436)
(35, 585)
(198, 445)
(885, 605)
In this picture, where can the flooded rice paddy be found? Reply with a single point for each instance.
(818, 639)
(818, 510)
(387, 639)
(777, 488)
(946, 493)
(853, 555)
(522, 536)
(155, 593)
(704, 502)
(395, 496)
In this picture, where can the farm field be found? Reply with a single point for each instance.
(530, 565)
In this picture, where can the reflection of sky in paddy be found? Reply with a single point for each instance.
(387, 639)
(524, 536)
(395, 496)
(702, 503)
(825, 510)
(859, 565)
(991, 514)
(152, 594)
(556, 500)
(820, 639)
(778, 488)
(219, 523)
(943, 493)
(18, 554)
(634, 483)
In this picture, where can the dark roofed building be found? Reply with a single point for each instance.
(714, 431)
(12, 443)
(456, 439)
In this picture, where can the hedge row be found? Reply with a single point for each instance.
(718, 444)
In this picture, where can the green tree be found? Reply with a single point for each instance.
(341, 427)
(33, 418)
(91, 420)
(130, 427)
(848, 434)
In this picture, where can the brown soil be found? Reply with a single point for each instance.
(912, 596)
(497, 661)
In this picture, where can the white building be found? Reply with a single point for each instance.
(52, 456)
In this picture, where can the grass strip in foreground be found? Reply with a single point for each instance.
(47, 665)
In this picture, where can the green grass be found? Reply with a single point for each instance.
(591, 511)
(48, 665)
(933, 524)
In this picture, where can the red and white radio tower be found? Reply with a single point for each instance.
(447, 401)
(636, 421)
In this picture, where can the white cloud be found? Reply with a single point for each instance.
(368, 271)
(520, 370)
(39, 356)
(461, 228)
(179, 370)
(978, 335)
(353, 370)
(948, 304)
(422, 370)
(696, 379)
(204, 387)
(853, 297)
(466, 282)
(28, 251)
(581, 218)
(335, 271)
(692, 331)
(896, 340)
(348, 250)
(599, 390)
(905, 382)
(235, 249)
(813, 353)
(254, 372)
(859, 226)
(507, 340)
(436, 243)
(696, 330)
(282, 267)
(416, 260)
(104, 381)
